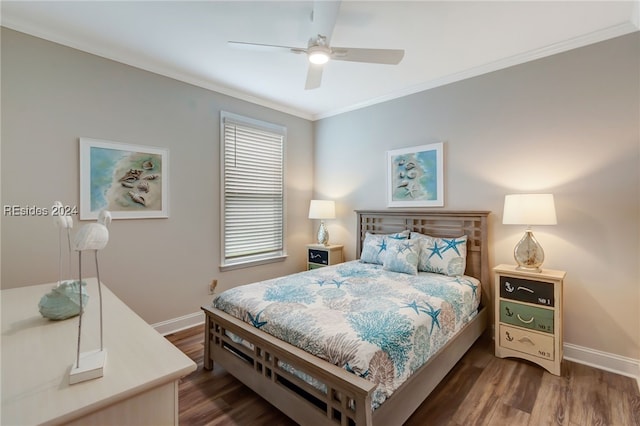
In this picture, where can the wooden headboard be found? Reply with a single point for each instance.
(437, 223)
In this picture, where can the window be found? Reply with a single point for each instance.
(252, 191)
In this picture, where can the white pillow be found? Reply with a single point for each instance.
(447, 256)
(403, 256)
(374, 247)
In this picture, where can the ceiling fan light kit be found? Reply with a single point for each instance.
(324, 16)
(319, 54)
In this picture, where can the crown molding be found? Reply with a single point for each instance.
(574, 43)
(155, 67)
(150, 66)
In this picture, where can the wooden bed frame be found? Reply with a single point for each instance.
(347, 400)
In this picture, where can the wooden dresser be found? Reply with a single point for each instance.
(528, 321)
(140, 383)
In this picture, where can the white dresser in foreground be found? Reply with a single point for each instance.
(140, 383)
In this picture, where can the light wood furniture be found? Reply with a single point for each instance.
(528, 315)
(319, 255)
(140, 383)
(348, 399)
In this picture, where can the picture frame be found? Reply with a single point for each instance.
(131, 181)
(415, 176)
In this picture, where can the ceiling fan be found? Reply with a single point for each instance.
(319, 51)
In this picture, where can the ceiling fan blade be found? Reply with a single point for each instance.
(375, 56)
(265, 47)
(324, 17)
(314, 77)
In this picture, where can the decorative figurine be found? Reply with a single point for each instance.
(93, 236)
(63, 301)
(62, 222)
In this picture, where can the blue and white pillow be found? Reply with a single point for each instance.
(447, 256)
(374, 247)
(403, 256)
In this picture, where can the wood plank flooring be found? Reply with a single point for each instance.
(480, 390)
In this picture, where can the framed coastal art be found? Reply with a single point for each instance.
(131, 181)
(415, 176)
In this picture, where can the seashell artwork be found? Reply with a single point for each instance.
(130, 180)
(136, 197)
(143, 186)
(131, 176)
(63, 301)
(415, 176)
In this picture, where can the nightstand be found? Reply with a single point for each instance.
(528, 315)
(319, 255)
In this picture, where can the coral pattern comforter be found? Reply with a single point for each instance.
(378, 324)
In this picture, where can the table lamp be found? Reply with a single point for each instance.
(322, 209)
(529, 209)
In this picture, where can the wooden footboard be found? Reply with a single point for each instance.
(347, 400)
(344, 400)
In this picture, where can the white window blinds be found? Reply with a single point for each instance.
(253, 189)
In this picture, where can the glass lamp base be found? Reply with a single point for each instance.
(528, 269)
(528, 253)
(323, 235)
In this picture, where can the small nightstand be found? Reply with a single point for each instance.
(528, 315)
(319, 255)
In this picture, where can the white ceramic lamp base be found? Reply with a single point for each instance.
(91, 366)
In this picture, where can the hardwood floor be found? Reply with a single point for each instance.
(480, 390)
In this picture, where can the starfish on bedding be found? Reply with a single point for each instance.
(452, 244)
(434, 316)
(256, 321)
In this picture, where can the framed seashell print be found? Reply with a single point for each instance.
(131, 181)
(415, 176)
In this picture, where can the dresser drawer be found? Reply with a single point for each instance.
(532, 317)
(538, 292)
(319, 256)
(539, 345)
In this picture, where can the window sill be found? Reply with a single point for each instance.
(251, 263)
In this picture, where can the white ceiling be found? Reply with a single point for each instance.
(444, 41)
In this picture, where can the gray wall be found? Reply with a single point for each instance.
(567, 124)
(51, 96)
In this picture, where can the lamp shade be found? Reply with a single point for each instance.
(529, 209)
(322, 209)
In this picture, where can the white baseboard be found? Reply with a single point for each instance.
(181, 323)
(603, 360)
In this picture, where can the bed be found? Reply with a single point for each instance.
(311, 390)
